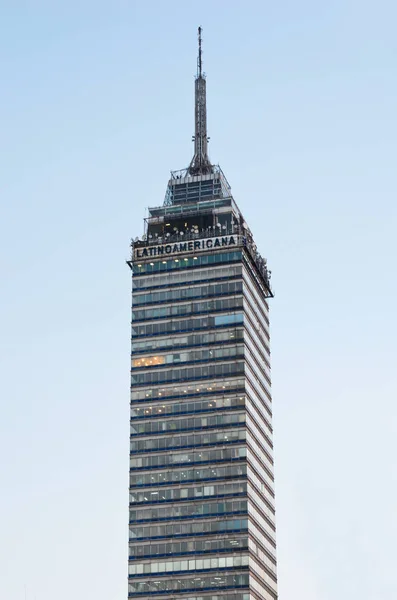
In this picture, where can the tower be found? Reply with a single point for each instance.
(202, 508)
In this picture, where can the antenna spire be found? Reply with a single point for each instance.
(199, 59)
(200, 164)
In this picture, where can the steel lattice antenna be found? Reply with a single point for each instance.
(200, 164)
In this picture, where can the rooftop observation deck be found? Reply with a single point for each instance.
(198, 207)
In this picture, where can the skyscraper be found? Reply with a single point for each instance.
(202, 512)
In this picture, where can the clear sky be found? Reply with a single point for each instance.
(96, 107)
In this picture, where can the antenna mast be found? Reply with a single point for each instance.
(199, 60)
(200, 164)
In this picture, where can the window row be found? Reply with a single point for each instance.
(191, 339)
(191, 389)
(181, 277)
(175, 263)
(194, 457)
(231, 596)
(194, 564)
(187, 475)
(186, 423)
(180, 310)
(187, 529)
(198, 291)
(158, 586)
(192, 440)
(208, 322)
(186, 511)
(195, 546)
(199, 406)
(206, 371)
(202, 354)
(187, 493)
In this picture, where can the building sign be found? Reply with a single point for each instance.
(190, 246)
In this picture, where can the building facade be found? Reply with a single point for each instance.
(202, 508)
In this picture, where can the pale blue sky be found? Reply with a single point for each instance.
(96, 107)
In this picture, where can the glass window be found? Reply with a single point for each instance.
(198, 372)
(185, 529)
(161, 585)
(211, 353)
(227, 436)
(179, 262)
(185, 511)
(229, 319)
(190, 390)
(154, 478)
(161, 495)
(179, 278)
(159, 426)
(192, 339)
(196, 291)
(187, 309)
